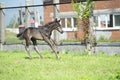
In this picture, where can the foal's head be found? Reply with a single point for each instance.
(58, 26)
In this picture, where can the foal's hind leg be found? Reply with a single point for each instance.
(27, 48)
(36, 48)
(28, 51)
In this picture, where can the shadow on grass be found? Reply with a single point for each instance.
(32, 58)
(38, 58)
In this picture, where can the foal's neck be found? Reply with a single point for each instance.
(51, 27)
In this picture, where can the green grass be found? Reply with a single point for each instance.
(11, 37)
(16, 66)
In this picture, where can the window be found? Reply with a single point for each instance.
(69, 24)
(107, 20)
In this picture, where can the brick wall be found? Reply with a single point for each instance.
(115, 35)
(66, 8)
(107, 4)
(47, 11)
(71, 35)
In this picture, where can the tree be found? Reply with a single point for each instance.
(13, 22)
(84, 11)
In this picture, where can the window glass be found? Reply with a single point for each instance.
(63, 22)
(107, 21)
(95, 19)
(69, 23)
(117, 20)
(75, 22)
(102, 21)
(110, 21)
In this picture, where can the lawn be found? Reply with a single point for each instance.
(11, 37)
(16, 66)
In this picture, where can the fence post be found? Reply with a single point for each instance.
(2, 26)
(55, 15)
(35, 13)
(27, 14)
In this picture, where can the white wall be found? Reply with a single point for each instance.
(13, 30)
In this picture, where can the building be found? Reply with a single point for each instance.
(106, 18)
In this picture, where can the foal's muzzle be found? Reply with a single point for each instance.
(62, 32)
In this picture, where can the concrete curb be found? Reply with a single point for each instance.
(105, 47)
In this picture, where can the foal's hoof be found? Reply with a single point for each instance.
(59, 58)
(41, 57)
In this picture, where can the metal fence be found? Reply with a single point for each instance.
(13, 19)
(29, 12)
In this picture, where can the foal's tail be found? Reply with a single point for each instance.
(20, 35)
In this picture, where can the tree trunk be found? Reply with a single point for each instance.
(83, 33)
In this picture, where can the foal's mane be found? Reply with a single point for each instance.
(48, 24)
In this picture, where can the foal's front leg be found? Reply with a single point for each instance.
(53, 47)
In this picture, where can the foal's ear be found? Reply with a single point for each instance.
(57, 20)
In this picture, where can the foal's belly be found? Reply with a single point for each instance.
(37, 35)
